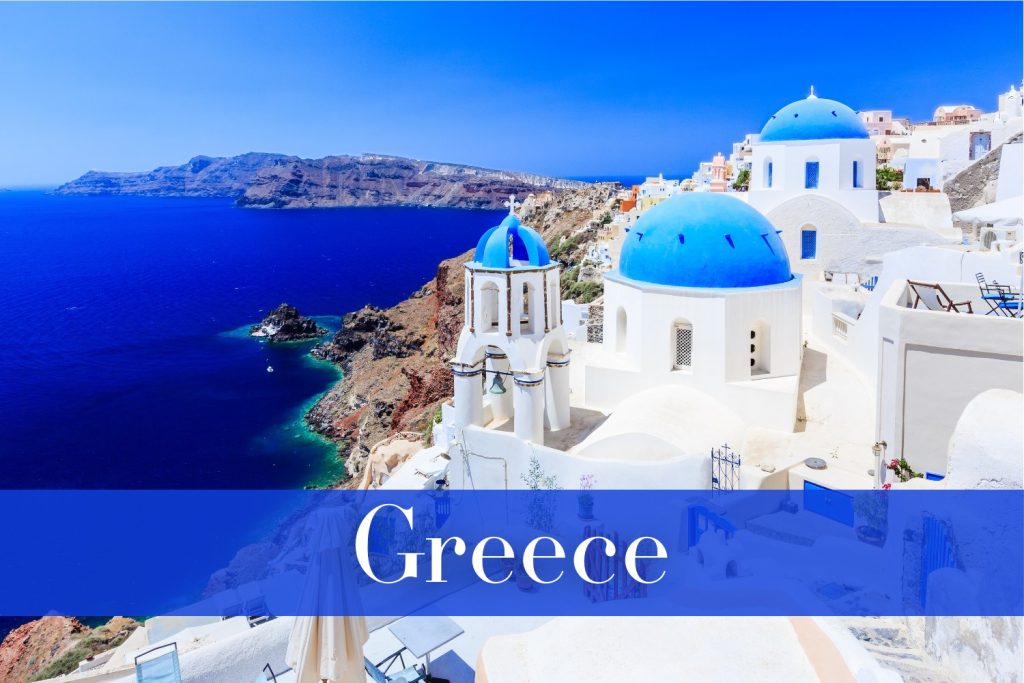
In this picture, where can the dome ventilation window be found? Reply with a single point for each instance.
(639, 236)
(682, 240)
(728, 238)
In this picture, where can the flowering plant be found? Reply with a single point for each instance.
(902, 469)
(586, 484)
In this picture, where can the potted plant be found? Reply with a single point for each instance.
(902, 469)
(586, 498)
(872, 509)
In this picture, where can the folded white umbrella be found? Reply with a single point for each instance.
(1002, 214)
(329, 648)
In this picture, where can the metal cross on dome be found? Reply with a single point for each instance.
(512, 204)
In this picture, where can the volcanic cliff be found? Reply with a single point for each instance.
(279, 181)
(395, 361)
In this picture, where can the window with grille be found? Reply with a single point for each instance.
(811, 175)
(808, 244)
(683, 346)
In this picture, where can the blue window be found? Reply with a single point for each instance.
(768, 175)
(811, 175)
(808, 243)
(856, 174)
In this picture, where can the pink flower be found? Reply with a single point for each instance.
(886, 487)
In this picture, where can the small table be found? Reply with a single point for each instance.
(423, 635)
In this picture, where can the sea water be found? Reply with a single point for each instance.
(124, 355)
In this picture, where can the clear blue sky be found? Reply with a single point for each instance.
(566, 89)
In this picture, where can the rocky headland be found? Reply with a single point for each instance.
(284, 324)
(287, 182)
(52, 646)
(395, 360)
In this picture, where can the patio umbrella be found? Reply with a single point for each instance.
(327, 644)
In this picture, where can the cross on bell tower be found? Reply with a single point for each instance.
(512, 204)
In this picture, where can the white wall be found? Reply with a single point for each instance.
(835, 174)
(844, 243)
(508, 459)
(942, 361)
(722, 320)
(924, 264)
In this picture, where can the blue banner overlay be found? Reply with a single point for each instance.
(498, 553)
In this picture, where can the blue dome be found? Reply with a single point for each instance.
(813, 119)
(527, 246)
(704, 239)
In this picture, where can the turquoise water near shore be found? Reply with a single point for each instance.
(124, 361)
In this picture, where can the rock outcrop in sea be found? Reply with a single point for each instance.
(279, 181)
(284, 323)
(395, 360)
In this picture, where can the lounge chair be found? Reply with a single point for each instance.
(379, 672)
(161, 668)
(942, 301)
(870, 283)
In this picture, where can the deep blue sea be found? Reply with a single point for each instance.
(124, 358)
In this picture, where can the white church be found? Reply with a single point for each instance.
(813, 176)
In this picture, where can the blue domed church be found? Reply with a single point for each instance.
(704, 297)
(815, 147)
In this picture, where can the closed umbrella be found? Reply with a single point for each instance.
(327, 644)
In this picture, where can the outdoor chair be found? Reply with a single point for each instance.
(269, 676)
(870, 283)
(162, 668)
(257, 612)
(932, 294)
(996, 296)
(379, 672)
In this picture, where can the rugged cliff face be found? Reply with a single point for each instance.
(201, 177)
(51, 646)
(396, 360)
(279, 181)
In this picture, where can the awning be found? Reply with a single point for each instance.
(1003, 214)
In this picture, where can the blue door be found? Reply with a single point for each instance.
(828, 503)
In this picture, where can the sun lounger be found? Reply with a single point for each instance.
(378, 672)
(158, 668)
(935, 298)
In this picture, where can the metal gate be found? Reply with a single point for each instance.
(936, 552)
(725, 469)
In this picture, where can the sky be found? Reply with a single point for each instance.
(573, 89)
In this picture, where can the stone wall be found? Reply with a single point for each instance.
(976, 184)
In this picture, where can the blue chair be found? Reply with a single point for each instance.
(870, 283)
(378, 672)
(162, 668)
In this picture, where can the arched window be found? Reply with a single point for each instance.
(682, 345)
(808, 243)
(768, 173)
(488, 307)
(620, 330)
(857, 181)
(811, 174)
(525, 319)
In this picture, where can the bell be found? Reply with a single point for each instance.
(497, 386)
